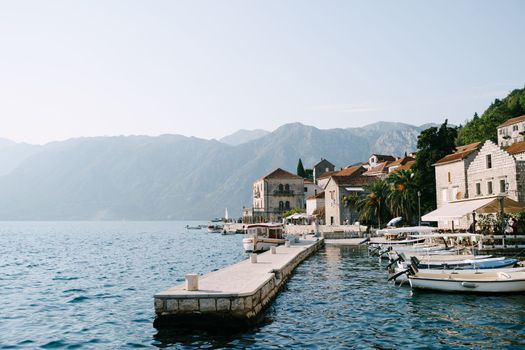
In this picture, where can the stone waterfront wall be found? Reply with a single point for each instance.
(226, 312)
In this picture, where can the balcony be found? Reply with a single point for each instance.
(283, 193)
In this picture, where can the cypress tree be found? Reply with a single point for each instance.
(300, 169)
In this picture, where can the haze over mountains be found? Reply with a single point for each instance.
(171, 176)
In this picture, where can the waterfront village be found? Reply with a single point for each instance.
(482, 177)
(479, 197)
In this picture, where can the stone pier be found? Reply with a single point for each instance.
(235, 296)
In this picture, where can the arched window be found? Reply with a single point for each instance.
(280, 187)
(281, 206)
(287, 205)
(287, 188)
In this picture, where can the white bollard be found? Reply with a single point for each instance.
(287, 244)
(192, 282)
(253, 258)
(273, 249)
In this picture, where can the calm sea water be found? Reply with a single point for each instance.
(90, 285)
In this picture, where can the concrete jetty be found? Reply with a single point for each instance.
(235, 296)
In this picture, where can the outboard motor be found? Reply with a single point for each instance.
(394, 261)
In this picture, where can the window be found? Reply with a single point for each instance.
(489, 187)
(444, 196)
(514, 128)
(305, 189)
(501, 131)
(489, 161)
(287, 205)
(280, 187)
(287, 188)
(281, 206)
(502, 186)
(449, 177)
(478, 189)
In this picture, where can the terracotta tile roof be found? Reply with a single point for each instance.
(512, 121)
(360, 180)
(383, 157)
(281, 174)
(401, 161)
(461, 153)
(378, 169)
(317, 196)
(327, 174)
(407, 166)
(344, 172)
(515, 148)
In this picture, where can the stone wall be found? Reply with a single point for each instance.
(503, 168)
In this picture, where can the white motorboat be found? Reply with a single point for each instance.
(401, 278)
(260, 237)
(481, 281)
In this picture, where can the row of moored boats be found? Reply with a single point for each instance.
(440, 262)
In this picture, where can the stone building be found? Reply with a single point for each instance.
(322, 167)
(451, 174)
(474, 176)
(314, 202)
(340, 184)
(276, 193)
(511, 131)
(311, 189)
(495, 171)
(375, 159)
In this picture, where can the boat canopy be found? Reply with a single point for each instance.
(458, 209)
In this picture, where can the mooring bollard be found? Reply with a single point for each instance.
(287, 244)
(273, 249)
(192, 282)
(253, 258)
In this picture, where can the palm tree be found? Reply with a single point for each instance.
(350, 201)
(373, 204)
(402, 199)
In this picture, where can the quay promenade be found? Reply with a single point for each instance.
(232, 297)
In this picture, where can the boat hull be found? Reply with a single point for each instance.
(404, 278)
(260, 245)
(467, 286)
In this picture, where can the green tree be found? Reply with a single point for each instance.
(300, 169)
(402, 198)
(432, 144)
(372, 205)
(350, 202)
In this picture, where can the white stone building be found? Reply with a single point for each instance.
(311, 189)
(473, 175)
(511, 131)
(276, 193)
(314, 202)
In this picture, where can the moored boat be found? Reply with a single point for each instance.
(474, 282)
(260, 237)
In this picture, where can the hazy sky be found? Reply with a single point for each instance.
(208, 68)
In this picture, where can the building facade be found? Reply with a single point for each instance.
(511, 131)
(322, 167)
(276, 193)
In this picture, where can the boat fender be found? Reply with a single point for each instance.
(469, 285)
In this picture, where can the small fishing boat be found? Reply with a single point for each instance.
(481, 281)
(401, 276)
(260, 237)
(188, 227)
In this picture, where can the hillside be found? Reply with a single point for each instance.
(481, 128)
(172, 176)
(242, 136)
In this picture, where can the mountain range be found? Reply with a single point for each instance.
(172, 177)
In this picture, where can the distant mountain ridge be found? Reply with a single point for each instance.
(172, 176)
(242, 136)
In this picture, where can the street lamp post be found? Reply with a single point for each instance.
(419, 207)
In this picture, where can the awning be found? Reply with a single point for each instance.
(457, 210)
